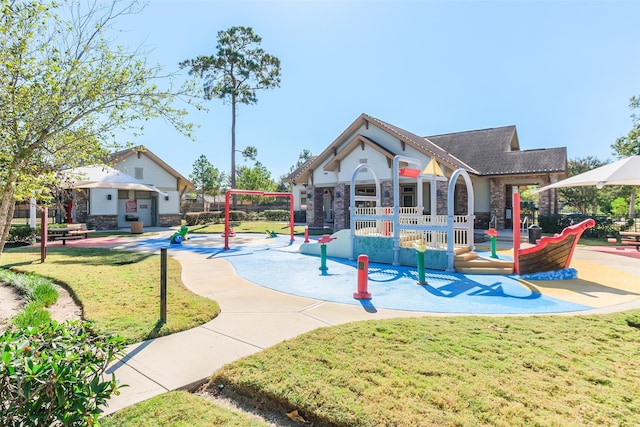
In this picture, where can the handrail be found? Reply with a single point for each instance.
(493, 221)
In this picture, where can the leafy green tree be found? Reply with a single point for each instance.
(584, 199)
(206, 177)
(65, 91)
(629, 145)
(235, 73)
(255, 178)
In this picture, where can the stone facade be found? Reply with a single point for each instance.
(442, 190)
(102, 222)
(341, 203)
(498, 201)
(169, 220)
(387, 193)
(315, 217)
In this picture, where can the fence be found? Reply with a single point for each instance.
(430, 230)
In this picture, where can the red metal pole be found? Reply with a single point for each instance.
(291, 216)
(306, 234)
(363, 273)
(516, 232)
(226, 221)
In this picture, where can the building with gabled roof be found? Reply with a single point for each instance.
(492, 158)
(105, 205)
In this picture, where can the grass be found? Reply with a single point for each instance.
(259, 227)
(38, 291)
(434, 371)
(119, 290)
(179, 409)
(497, 371)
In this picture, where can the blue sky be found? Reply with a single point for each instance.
(561, 71)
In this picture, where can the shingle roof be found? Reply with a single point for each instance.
(293, 176)
(484, 152)
(422, 143)
(496, 151)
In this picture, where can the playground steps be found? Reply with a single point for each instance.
(471, 263)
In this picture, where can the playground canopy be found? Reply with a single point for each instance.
(103, 176)
(622, 172)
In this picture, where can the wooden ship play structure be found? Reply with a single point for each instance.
(393, 234)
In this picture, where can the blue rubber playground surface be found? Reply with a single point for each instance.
(276, 264)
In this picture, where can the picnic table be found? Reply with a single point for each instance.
(69, 232)
(630, 238)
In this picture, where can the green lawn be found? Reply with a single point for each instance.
(435, 371)
(259, 227)
(430, 371)
(119, 290)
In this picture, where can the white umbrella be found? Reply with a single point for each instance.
(622, 172)
(104, 177)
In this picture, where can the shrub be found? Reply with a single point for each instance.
(21, 234)
(556, 223)
(276, 215)
(51, 375)
(201, 218)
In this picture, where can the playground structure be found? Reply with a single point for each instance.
(407, 236)
(227, 228)
(177, 237)
(389, 234)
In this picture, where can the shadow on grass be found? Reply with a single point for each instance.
(155, 332)
(86, 256)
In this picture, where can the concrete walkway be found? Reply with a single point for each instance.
(254, 317)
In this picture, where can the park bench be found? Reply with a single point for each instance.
(69, 232)
(630, 238)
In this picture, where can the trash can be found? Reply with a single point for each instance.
(535, 233)
(136, 227)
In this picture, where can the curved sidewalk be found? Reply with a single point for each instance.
(254, 317)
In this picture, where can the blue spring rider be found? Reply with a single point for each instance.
(179, 236)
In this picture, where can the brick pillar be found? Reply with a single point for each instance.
(547, 200)
(340, 207)
(462, 198)
(387, 193)
(314, 207)
(498, 201)
(442, 190)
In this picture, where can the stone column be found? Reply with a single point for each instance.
(498, 201)
(314, 207)
(387, 193)
(340, 207)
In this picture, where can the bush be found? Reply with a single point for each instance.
(21, 234)
(276, 215)
(201, 218)
(556, 223)
(51, 375)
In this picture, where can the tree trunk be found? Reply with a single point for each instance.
(7, 206)
(632, 204)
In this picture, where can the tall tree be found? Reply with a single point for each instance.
(629, 145)
(255, 178)
(584, 199)
(235, 73)
(206, 177)
(65, 91)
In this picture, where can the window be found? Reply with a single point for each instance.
(139, 173)
(142, 195)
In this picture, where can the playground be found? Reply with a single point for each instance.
(605, 279)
